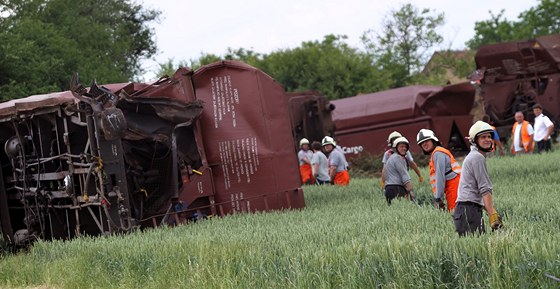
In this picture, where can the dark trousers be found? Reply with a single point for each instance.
(319, 182)
(394, 191)
(468, 218)
(544, 145)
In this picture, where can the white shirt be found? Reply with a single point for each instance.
(542, 123)
(517, 145)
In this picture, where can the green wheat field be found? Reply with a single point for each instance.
(344, 238)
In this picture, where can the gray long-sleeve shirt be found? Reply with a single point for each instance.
(442, 165)
(475, 181)
(396, 172)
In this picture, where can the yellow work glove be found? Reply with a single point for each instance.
(495, 221)
(381, 183)
(420, 178)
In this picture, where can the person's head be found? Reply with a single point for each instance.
(519, 117)
(537, 109)
(328, 144)
(304, 144)
(400, 145)
(316, 146)
(427, 140)
(481, 135)
(392, 136)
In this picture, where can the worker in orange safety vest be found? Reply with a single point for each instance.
(445, 171)
(521, 135)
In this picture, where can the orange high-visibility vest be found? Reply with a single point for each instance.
(525, 137)
(451, 186)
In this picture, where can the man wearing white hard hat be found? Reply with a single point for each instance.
(395, 173)
(338, 170)
(475, 188)
(410, 161)
(304, 157)
(445, 171)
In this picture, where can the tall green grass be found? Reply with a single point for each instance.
(344, 238)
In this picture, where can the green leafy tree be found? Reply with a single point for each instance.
(401, 47)
(329, 66)
(494, 30)
(43, 42)
(544, 19)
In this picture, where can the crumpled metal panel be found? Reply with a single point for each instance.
(247, 138)
(511, 60)
(145, 154)
(513, 76)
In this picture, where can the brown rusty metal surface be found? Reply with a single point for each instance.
(512, 60)
(310, 113)
(363, 122)
(144, 154)
(247, 138)
(516, 75)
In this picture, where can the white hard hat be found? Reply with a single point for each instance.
(478, 128)
(424, 135)
(392, 136)
(328, 140)
(303, 141)
(399, 140)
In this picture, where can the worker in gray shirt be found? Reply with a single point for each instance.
(475, 187)
(445, 171)
(320, 165)
(395, 174)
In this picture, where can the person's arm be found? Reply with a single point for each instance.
(440, 160)
(488, 202)
(405, 178)
(315, 168)
(408, 187)
(493, 216)
(332, 172)
(549, 131)
(414, 166)
(530, 132)
(382, 180)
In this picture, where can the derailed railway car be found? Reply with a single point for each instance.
(113, 158)
(311, 114)
(514, 76)
(363, 122)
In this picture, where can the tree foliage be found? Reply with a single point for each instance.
(330, 66)
(43, 42)
(401, 47)
(544, 19)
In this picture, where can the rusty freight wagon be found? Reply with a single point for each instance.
(363, 122)
(514, 76)
(311, 114)
(112, 158)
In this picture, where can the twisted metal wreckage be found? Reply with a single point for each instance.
(112, 158)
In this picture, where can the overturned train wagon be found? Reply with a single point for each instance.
(513, 76)
(364, 122)
(112, 158)
(311, 115)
